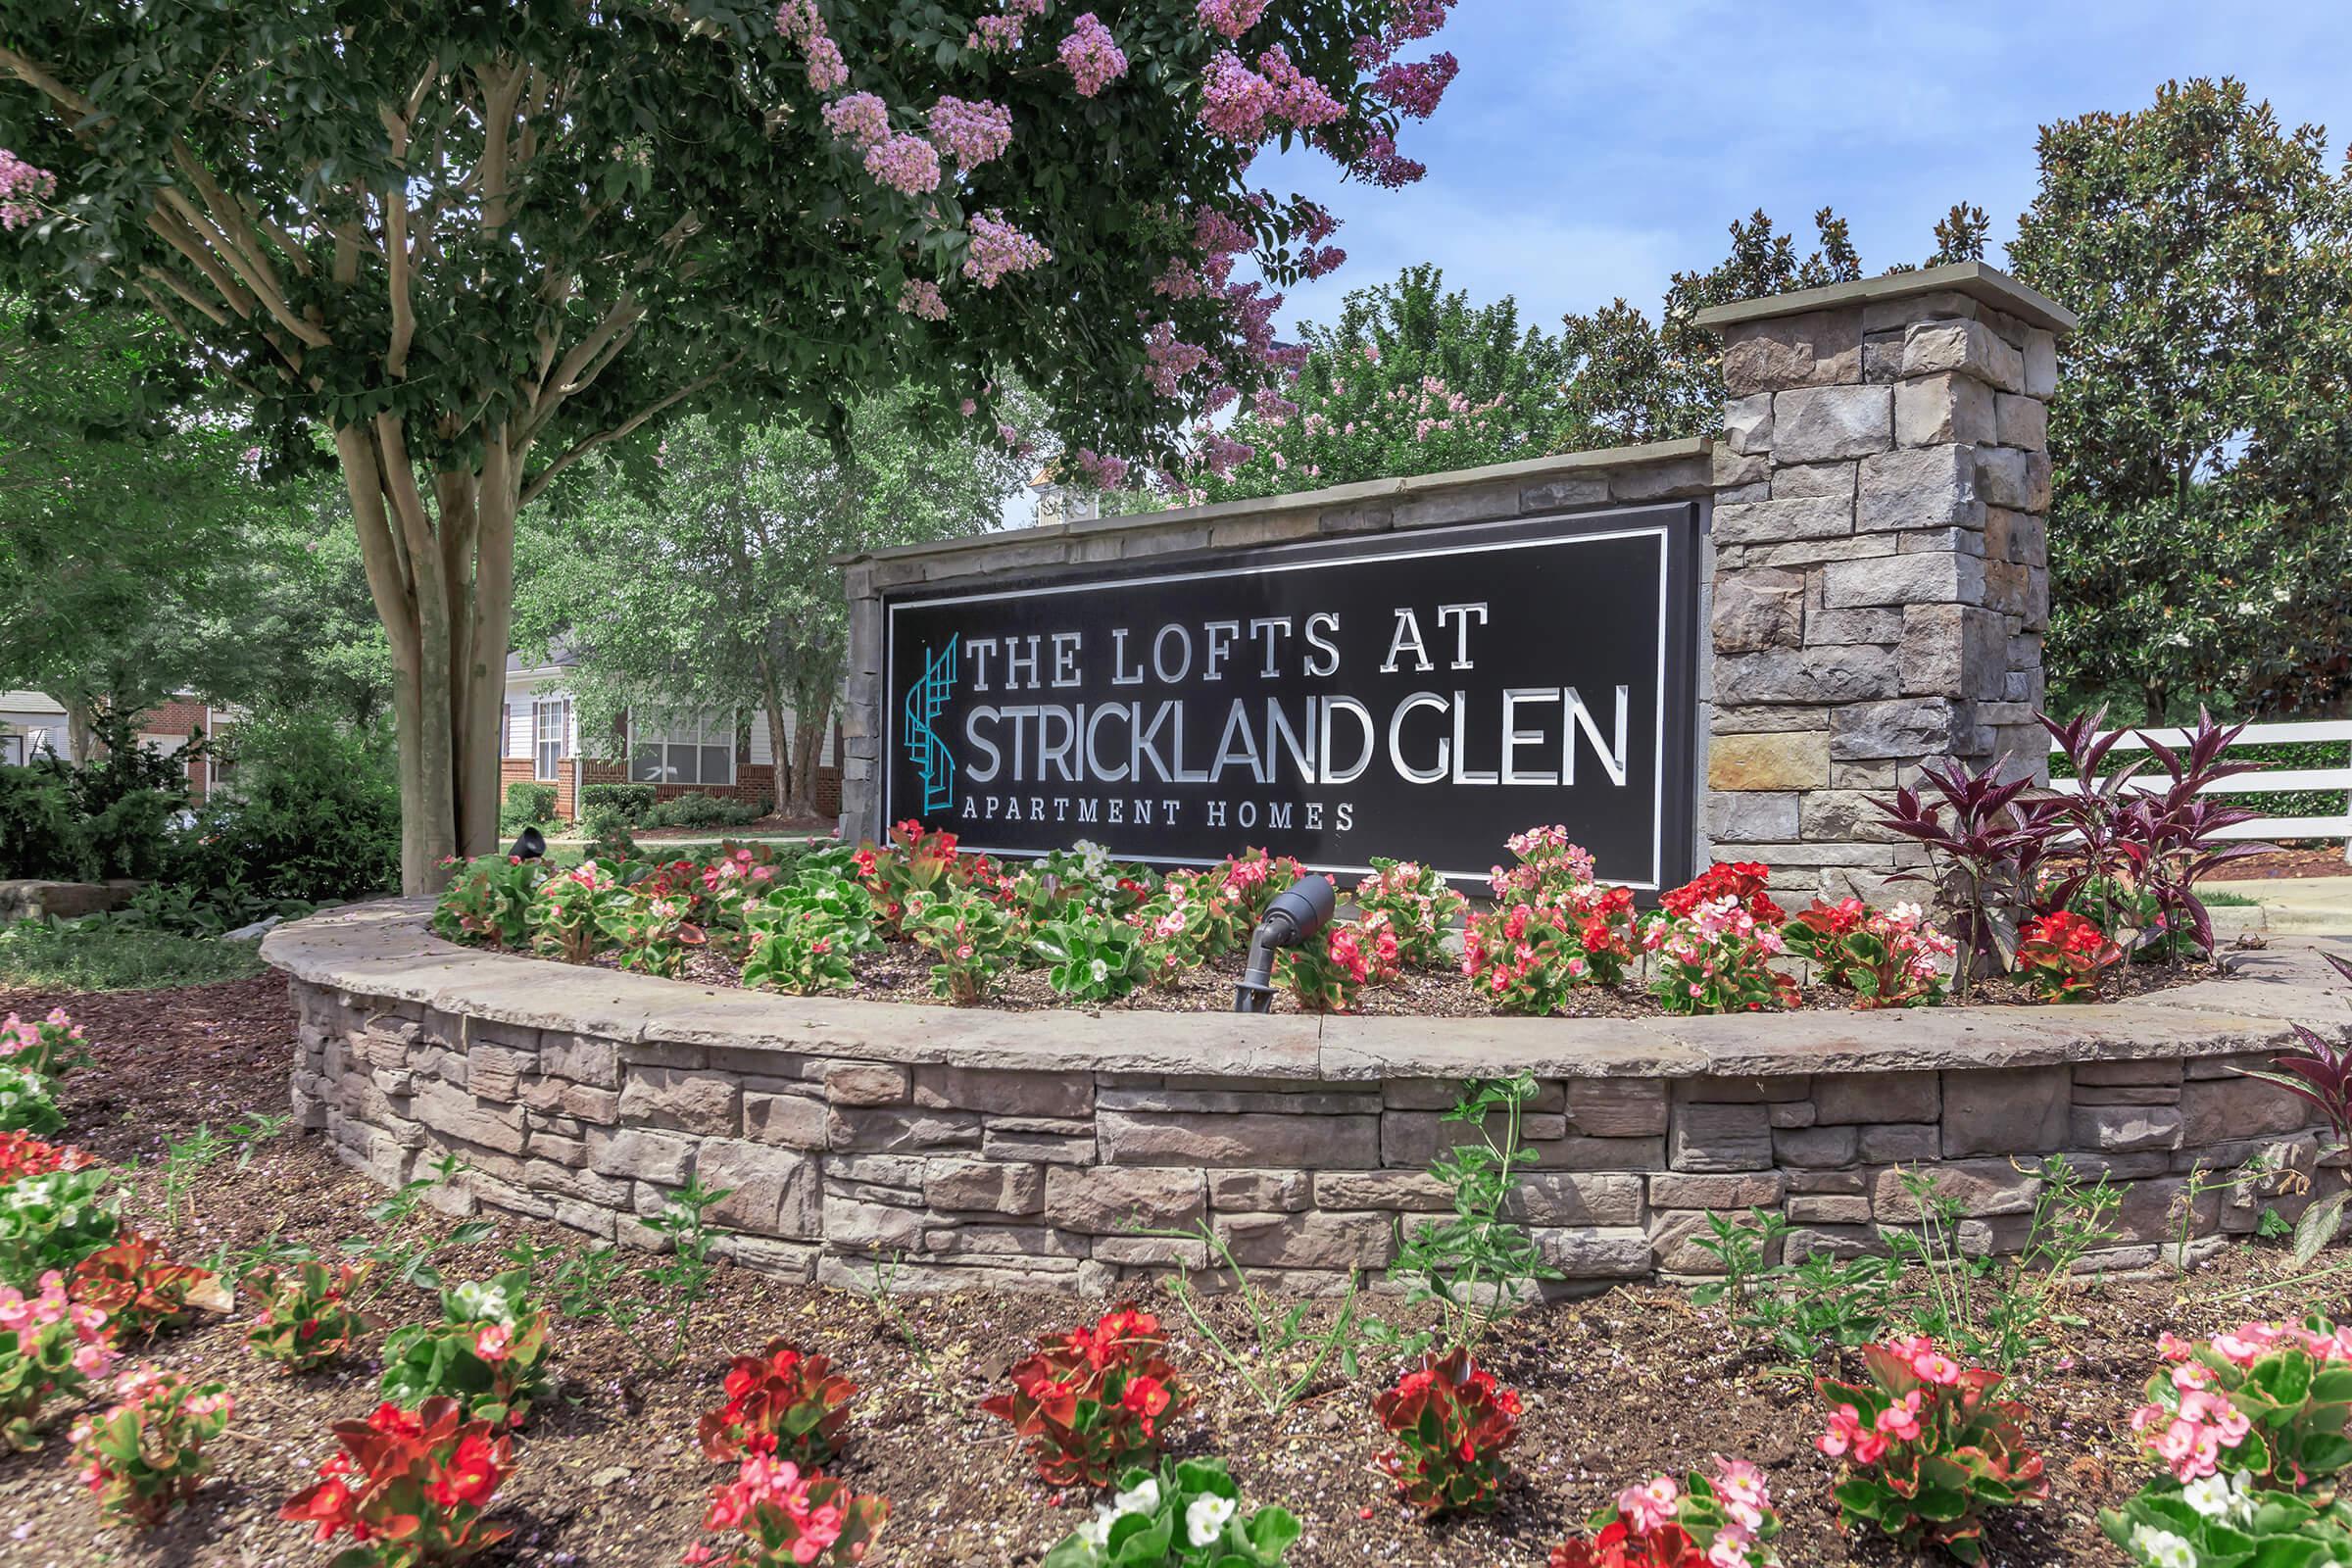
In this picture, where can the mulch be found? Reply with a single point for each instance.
(1617, 1386)
(2269, 865)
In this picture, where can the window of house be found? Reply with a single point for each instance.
(547, 734)
(12, 751)
(685, 751)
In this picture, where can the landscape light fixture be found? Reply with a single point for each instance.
(1297, 913)
(529, 845)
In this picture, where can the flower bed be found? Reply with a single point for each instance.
(977, 1147)
(1636, 1428)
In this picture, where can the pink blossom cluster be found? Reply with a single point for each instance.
(19, 1035)
(1178, 282)
(971, 132)
(22, 189)
(799, 21)
(905, 163)
(1107, 472)
(36, 1318)
(999, 248)
(1236, 100)
(861, 119)
(920, 297)
(1413, 90)
(1220, 453)
(1272, 407)
(765, 1481)
(1169, 357)
(1230, 18)
(1315, 261)
(1740, 1489)
(2195, 1421)
(1299, 98)
(1002, 33)
(1091, 56)
(1363, 949)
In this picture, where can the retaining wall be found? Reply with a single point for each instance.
(983, 1147)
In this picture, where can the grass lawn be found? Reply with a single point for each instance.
(97, 955)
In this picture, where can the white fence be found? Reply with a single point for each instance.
(2268, 780)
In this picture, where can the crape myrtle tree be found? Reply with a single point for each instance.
(472, 244)
(706, 581)
(2201, 510)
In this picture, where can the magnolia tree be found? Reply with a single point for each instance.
(476, 246)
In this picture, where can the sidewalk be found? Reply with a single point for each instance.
(2314, 906)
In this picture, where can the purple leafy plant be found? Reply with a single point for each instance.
(1986, 844)
(2168, 837)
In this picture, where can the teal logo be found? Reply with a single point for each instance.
(926, 699)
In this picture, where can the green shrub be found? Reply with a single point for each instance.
(528, 803)
(701, 811)
(109, 817)
(608, 831)
(40, 828)
(316, 814)
(631, 801)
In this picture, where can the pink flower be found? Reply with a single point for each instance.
(1413, 90)
(1236, 99)
(491, 1345)
(1650, 1504)
(972, 133)
(827, 70)
(22, 189)
(998, 249)
(1107, 472)
(862, 118)
(920, 297)
(905, 163)
(1092, 57)
(1231, 18)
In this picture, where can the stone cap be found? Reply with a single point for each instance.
(1986, 285)
(386, 950)
(1338, 495)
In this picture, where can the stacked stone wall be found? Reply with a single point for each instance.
(848, 1138)
(1882, 583)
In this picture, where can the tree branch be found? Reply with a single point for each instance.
(540, 481)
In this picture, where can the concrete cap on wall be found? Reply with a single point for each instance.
(1986, 285)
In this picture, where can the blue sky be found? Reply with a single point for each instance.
(1588, 151)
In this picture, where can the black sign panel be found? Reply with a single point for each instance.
(1420, 696)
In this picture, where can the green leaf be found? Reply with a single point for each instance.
(2319, 1226)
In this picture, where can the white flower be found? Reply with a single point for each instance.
(1099, 971)
(1144, 1499)
(2161, 1548)
(2220, 1497)
(1095, 1533)
(481, 1303)
(1206, 1519)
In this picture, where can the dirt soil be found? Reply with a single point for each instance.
(1617, 1386)
(901, 971)
(2328, 860)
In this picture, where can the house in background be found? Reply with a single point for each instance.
(31, 723)
(712, 753)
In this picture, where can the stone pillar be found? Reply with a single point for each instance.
(1880, 583)
(861, 706)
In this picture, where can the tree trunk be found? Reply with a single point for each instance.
(442, 576)
(815, 711)
(779, 744)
